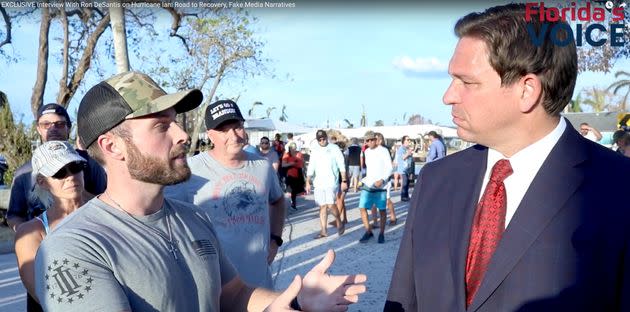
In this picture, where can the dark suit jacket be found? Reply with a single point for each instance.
(565, 249)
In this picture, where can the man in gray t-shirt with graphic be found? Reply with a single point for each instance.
(131, 249)
(240, 192)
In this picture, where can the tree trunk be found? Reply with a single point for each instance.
(66, 93)
(199, 118)
(117, 15)
(42, 63)
(65, 51)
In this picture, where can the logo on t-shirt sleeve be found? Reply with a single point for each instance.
(67, 282)
(204, 248)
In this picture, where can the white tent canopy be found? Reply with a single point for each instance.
(269, 125)
(258, 128)
(390, 132)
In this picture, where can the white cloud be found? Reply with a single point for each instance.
(421, 67)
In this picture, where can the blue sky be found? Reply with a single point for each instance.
(389, 59)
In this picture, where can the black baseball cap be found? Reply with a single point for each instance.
(220, 112)
(321, 134)
(125, 96)
(53, 108)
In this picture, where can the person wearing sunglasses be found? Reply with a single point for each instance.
(53, 124)
(133, 249)
(58, 184)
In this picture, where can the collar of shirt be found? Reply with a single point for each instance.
(525, 165)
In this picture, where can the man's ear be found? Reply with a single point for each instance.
(531, 91)
(111, 146)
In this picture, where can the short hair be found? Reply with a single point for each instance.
(94, 150)
(512, 54)
(584, 124)
(264, 138)
(404, 137)
(618, 135)
(289, 135)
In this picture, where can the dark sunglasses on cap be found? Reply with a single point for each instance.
(69, 169)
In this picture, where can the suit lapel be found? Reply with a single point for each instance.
(555, 182)
(462, 209)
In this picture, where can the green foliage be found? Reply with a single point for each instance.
(620, 84)
(15, 144)
(379, 123)
(576, 105)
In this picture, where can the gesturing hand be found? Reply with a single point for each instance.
(323, 292)
(283, 302)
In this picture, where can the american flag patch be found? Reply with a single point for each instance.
(204, 247)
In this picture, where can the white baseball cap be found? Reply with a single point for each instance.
(51, 156)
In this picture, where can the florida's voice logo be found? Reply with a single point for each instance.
(595, 33)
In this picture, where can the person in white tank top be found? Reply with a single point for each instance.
(58, 184)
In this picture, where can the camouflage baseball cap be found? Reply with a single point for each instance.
(125, 96)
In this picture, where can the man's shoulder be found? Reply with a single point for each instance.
(78, 224)
(184, 208)
(23, 169)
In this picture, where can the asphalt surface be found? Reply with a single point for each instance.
(299, 253)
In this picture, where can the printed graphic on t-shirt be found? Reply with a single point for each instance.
(204, 247)
(67, 282)
(235, 196)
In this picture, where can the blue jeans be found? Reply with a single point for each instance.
(404, 191)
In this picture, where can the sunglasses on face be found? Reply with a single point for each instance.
(56, 124)
(369, 140)
(321, 139)
(69, 169)
(264, 143)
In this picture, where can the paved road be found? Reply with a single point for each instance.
(298, 255)
(12, 293)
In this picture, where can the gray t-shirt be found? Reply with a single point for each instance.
(237, 201)
(101, 259)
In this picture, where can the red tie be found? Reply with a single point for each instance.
(487, 228)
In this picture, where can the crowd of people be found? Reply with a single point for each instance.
(125, 221)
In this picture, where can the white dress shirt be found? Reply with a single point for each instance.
(525, 165)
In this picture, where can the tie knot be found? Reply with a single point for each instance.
(501, 170)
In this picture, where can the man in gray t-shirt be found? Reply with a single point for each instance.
(240, 192)
(99, 248)
(130, 249)
(237, 200)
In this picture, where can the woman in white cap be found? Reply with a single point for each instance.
(58, 183)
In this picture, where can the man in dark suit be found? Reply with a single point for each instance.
(527, 219)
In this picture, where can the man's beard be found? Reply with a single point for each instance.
(147, 168)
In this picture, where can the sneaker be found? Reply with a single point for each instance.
(366, 237)
(381, 238)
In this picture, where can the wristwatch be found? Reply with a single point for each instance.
(278, 239)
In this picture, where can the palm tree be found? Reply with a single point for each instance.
(283, 114)
(250, 112)
(620, 84)
(575, 105)
(597, 100)
(269, 110)
(348, 124)
(363, 117)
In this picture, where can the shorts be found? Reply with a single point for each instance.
(377, 199)
(325, 195)
(354, 172)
